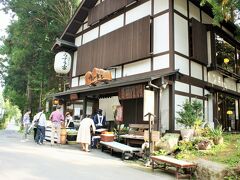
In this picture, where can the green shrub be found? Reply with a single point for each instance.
(216, 132)
(190, 113)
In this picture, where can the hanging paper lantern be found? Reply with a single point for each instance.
(226, 60)
(62, 63)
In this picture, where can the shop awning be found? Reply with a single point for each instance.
(125, 81)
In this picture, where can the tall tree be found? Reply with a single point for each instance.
(227, 10)
(28, 48)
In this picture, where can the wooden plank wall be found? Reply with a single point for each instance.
(129, 43)
(199, 42)
(106, 8)
(131, 92)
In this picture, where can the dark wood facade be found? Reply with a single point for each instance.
(124, 45)
(106, 8)
(199, 42)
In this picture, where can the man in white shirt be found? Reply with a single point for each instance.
(42, 123)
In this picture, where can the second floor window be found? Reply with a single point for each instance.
(225, 55)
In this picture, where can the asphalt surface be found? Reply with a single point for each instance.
(29, 161)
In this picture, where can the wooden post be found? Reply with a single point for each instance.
(150, 131)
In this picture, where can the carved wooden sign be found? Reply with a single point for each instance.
(97, 75)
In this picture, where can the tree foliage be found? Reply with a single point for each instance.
(28, 67)
(227, 10)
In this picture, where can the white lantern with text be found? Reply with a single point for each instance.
(62, 63)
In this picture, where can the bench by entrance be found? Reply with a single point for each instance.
(118, 147)
(167, 161)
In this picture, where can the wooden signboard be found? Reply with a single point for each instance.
(73, 97)
(97, 75)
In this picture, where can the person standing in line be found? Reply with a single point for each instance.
(84, 132)
(99, 119)
(69, 121)
(26, 123)
(42, 123)
(56, 118)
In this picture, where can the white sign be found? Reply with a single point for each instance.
(148, 104)
(62, 63)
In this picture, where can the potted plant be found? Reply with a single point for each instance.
(187, 116)
(217, 135)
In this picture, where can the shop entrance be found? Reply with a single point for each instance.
(228, 112)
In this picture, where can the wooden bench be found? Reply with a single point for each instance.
(119, 147)
(135, 135)
(187, 168)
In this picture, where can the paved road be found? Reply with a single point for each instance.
(29, 161)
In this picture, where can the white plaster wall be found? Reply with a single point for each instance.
(182, 64)
(90, 35)
(183, 87)
(209, 50)
(164, 104)
(161, 62)
(181, 35)
(74, 82)
(118, 72)
(81, 80)
(194, 11)
(196, 90)
(138, 12)
(210, 111)
(205, 73)
(179, 100)
(206, 19)
(78, 41)
(205, 111)
(196, 70)
(85, 26)
(74, 68)
(230, 84)
(206, 92)
(137, 67)
(215, 78)
(238, 87)
(160, 6)
(181, 6)
(80, 29)
(112, 25)
(161, 34)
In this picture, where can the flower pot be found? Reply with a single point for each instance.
(107, 137)
(187, 134)
(218, 140)
(63, 137)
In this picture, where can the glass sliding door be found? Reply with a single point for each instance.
(228, 110)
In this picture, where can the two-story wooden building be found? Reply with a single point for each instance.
(167, 46)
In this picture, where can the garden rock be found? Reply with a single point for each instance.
(208, 170)
(168, 142)
(204, 145)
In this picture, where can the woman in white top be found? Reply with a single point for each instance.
(42, 123)
(84, 132)
(69, 120)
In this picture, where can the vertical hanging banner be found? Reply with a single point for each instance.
(148, 103)
(119, 113)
